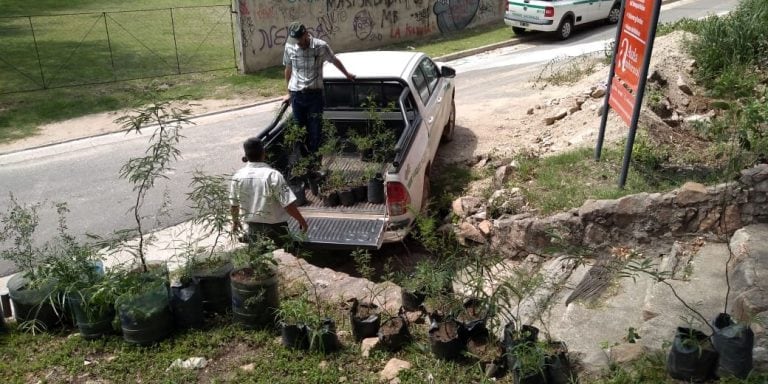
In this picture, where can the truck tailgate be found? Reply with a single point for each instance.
(343, 232)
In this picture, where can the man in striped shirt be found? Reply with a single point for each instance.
(303, 59)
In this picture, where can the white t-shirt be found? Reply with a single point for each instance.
(262, 194)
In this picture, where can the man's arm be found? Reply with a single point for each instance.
(288, 72)
(294, 212)
(235, 212)
(341, 68)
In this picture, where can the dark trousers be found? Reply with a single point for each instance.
(277, 232)
(307, 109)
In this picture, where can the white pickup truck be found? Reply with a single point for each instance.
(415, 97)
(559, 16)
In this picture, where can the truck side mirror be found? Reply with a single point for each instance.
(447, 72)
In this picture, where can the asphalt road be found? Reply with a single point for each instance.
(84, 173)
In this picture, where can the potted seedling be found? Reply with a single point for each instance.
(364, 315)
(333, 184)
(295, 314)
(298, 178)
(346, 195)
(428, 278)
(210, 270)
(82, 283)
(32, 290)
(254, 284)
(186, 297)
(144, 307)
(375, 185)
(363, 144)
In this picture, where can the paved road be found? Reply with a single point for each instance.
(84, 173)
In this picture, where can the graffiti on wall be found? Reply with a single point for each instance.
(354, 24)
(455, 15)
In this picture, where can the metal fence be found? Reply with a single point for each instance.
(42, 52)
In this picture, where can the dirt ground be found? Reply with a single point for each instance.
(502, 126)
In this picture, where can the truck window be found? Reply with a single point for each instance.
(345, 95)
(430, 74)
(420, 82)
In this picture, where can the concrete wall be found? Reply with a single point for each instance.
(350, 25)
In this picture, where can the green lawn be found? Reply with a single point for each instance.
(139, 62)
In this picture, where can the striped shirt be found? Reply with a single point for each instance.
(306, 64)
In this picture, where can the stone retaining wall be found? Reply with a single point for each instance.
(637, 219)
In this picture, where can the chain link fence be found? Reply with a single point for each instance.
(42, 52)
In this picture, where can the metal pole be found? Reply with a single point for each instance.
(232, 31)
(37, 51)
(175, 45)
(611, 73)
(639, 97)
(109, 45)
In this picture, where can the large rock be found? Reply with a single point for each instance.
(393, 368)
(627, 353)
(691, 193)
(467, 205)
(467, 231)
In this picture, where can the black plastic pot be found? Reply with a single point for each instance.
(733, 342)
(215, 289)
(394, 334)
(324, 338)
(447, 339)
(347, 197)
(365, 319)
(558, 367)
(94, 323)
(474, 317)
(145, 318)
(254, 298)
(187, 305)
(513, 339)
(34, 305)
(691, 357)
(295, 336)
(361, 193)
(331, 199)
(538, 377)
(297, 187)
(376, 189)
(411, 300)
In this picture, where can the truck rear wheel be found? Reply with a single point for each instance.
(565, 29)
(450, 126)
(614, 15)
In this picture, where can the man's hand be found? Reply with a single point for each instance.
(303, 226)
(287, 98)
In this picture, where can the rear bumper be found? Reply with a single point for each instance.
(534, 25)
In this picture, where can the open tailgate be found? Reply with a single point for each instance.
(343, 232)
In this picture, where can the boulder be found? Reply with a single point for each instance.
(393, 368)
(683, 86)
(691, 193)
(467, 231)
(627, 353)
(597, 93)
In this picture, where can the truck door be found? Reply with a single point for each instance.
(432, 94)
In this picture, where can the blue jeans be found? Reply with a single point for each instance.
(307, 109)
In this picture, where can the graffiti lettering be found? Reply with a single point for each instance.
(293, 13)
(306, 1)
(422, 16)
(338, 4)
(265, 12)
(390, 16)
(487, 7)
(409, 31)
(244, 8)
(363, 24)
(275, 36)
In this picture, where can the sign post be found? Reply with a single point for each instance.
(626, 81)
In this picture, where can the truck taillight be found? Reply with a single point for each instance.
(398, 199)
(549, 12)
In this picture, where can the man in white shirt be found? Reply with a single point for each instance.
(259, 194)
(303, 58)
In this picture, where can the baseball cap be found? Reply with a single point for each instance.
(296, 30)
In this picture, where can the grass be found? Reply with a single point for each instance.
(21, 113)
(63, 358)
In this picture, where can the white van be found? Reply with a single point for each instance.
(558, 15)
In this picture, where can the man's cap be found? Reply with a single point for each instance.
(296, 30)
